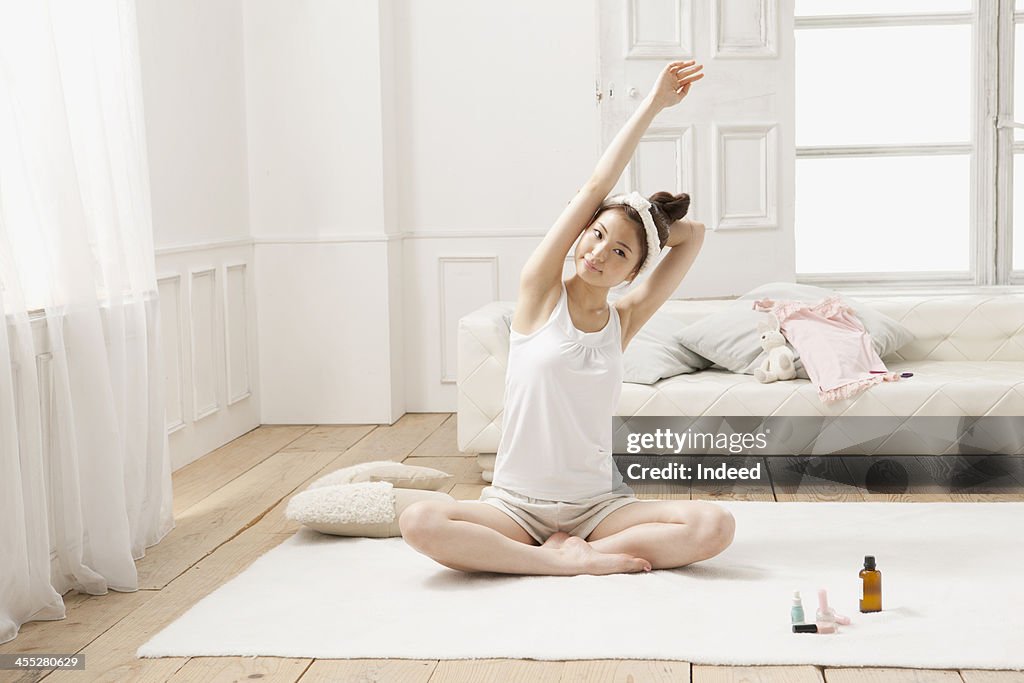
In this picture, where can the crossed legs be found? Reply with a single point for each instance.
(473, 536)
(668, 533)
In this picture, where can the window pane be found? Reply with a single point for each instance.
(1018, 213)
(892, 84)
(882, 214)
(829, 7)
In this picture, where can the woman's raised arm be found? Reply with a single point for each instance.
(545, 264)
(672, 86)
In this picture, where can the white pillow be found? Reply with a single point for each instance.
(398, 474)
(366, 509)
(655, 352)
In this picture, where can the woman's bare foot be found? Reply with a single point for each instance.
(556, 540)
(582, 556)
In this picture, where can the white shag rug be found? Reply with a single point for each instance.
(951, 595)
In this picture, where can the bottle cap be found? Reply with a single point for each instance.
(796, 598)
(805, 628)
(869, 562)
(822, 599)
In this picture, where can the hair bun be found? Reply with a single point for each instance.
(674, 206)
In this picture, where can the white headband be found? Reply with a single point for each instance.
(643, 207)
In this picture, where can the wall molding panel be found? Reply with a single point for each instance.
(465, 283)
(646, 33)
(745, 29)
(173, 340)
(664, 160)
(203, 325)
(745, 168)
(208, 323)
(236, 336)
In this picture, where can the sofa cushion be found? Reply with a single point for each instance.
(943, 388)
(655, 352)
(729, 338)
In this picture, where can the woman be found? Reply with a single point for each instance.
(557, 503)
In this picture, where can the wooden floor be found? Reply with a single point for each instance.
(229, 509)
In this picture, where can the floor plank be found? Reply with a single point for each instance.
(504, 670)
(397, 441)
(623, 670)
(442, 442)
(879, 675)
(369, 670)
(231, 669)
(756, 674)
(980, 676)
(336, 438)
(200, 478)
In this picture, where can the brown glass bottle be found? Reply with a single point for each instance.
(871, 586)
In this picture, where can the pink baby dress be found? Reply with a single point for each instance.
(835, 348)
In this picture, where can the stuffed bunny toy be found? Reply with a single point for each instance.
(779, 363)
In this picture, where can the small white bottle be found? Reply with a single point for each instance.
(796, 612)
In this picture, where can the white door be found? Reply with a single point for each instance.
(729, 144)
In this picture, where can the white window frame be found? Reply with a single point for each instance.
(991, 151)
(1006, 145)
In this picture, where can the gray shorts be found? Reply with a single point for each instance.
(542, 518)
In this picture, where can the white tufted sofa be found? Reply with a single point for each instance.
(967, 358)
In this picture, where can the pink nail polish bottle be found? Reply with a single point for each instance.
(826, 616)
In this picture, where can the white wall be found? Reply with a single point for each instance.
(193, 89)
(313, 88)
(384, 139)
(322, 169)
(192, 82)
(390, 165)
(498, 131)
(498, 119)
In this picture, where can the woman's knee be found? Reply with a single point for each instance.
(719, 529)
(420, 522)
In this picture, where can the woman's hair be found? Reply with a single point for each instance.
(666, 209)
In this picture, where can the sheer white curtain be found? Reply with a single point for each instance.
(84, 467)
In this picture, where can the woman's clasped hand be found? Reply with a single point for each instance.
(674, 83)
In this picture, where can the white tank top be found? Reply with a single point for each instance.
(562, 388)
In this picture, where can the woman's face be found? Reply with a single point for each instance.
(611, 246)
